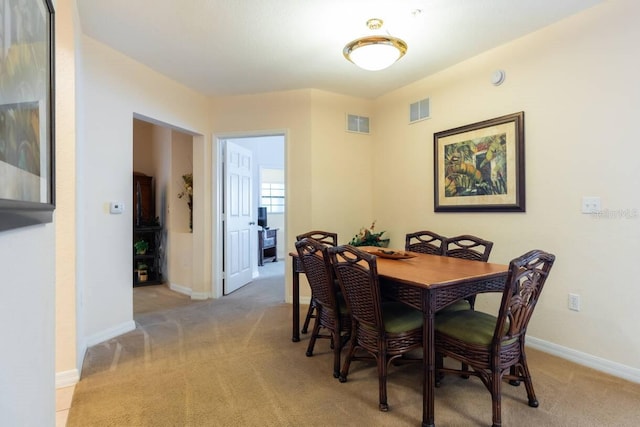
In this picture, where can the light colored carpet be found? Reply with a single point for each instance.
(231, 362)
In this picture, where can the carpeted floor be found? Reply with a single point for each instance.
(231, 362)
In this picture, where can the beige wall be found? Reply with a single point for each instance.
(114, 91)
(283, 112)
(577, 83)
(180, 242)
(67, 357)
(328, 173)
(342, 167)
(143, 148)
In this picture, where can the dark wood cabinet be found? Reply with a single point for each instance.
(150, 261)
(144, 206)
(267, 245)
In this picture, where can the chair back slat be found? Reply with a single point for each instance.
(326, 237)
(468, 247)
(527, 276)
(357, 274)
(312, 255)
(425, 242)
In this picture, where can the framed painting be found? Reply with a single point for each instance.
(480, 167)
(26, 113)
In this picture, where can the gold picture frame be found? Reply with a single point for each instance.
(480, 167)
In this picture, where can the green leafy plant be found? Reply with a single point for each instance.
(187, 192)
(141, 246)
(143, 273)
(368, 237)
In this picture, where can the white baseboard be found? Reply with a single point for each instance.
(110, 333)
(200, 295)
(612, 368)
(180, 289)
(67, 378)
(303, 300)
(189, 292)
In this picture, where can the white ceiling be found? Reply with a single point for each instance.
(230, 47)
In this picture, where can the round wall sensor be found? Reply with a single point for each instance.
(497, 77)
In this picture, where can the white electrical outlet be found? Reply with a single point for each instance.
(574, 302)
(591, 205)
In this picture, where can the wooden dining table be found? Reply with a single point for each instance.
(428, 283)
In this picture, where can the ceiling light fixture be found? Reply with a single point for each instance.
(375, 52)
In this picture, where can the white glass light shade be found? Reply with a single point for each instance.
(375, 52)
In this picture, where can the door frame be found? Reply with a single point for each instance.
(217, 200)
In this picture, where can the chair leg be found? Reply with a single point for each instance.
(464, 368)
(314, 336)
(337, 348)
(310, 315)
(472, 302)
(382, 381)
(496, 398)
(439, 366)
(513, 372)
(531, 395)
(347, 361)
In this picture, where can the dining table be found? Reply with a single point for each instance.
(428, 283)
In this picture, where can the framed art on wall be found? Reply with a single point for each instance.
(26, 113)
(480, 167)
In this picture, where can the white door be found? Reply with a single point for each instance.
(238, 217)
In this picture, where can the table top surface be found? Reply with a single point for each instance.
(434, 270)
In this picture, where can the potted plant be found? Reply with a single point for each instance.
(368, 237)
(143, 273)
(141, 246)
(187, 193)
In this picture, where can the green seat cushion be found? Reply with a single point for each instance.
(473, 327)
(399, 317)
(462, 304)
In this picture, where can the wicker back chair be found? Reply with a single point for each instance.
(386, 330)
(331, 310)
(424, 242)
(330, 239)
(494, 347)
(467, 247)
(326, 237)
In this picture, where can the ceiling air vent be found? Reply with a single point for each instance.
(357, 124)
(419, 111)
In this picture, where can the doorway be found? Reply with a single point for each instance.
(165, 154)
(268, 154)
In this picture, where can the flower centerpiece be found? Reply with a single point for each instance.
(368, 237)
(187, 192)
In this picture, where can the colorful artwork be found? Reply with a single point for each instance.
(476, 167)
(480, 167)
(20, 136)
(26, 113)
